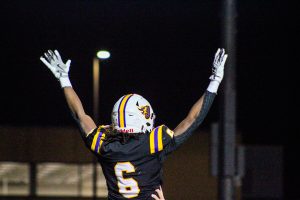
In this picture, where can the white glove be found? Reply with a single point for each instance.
(217, 70)
(59, 69)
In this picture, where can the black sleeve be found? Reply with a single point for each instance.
(180, 139)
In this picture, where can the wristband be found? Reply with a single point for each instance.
(213, 86)
(65, 82)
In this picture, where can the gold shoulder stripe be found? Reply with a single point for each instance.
(152, 148)
(159, 137)
(95, 140)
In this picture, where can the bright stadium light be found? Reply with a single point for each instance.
(103, 54)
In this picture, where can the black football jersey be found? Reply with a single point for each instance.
(132, 170)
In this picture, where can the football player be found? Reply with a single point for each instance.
(131, 150)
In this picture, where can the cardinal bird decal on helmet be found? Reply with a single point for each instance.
(145, 111)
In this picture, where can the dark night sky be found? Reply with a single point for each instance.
(162, 50)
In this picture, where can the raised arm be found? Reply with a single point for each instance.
(61, 71)
(84, 121)
(200, 109)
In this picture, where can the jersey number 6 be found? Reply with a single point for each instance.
(128, 187)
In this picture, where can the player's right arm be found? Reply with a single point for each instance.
(61, 71)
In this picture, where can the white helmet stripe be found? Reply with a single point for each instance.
(121, 111)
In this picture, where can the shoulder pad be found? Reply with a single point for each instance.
(98, 138)
(159, 137)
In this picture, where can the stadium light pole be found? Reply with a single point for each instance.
(227, 130)
(101, 55)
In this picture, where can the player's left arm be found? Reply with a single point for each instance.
(85, 122)
(200, 109)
